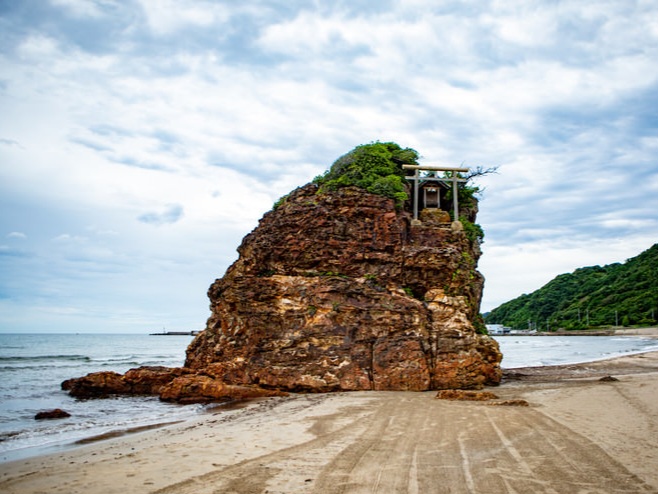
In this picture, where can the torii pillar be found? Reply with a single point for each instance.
(453, 178)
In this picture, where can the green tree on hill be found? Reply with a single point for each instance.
(592, 296)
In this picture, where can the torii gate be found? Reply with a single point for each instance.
(417, 179)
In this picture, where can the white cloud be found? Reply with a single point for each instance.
(171, 214)
(166, 17)
(83, 8)
(197, 116)
(66, 237)
(38, 47)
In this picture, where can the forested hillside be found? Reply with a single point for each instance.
(617, 294)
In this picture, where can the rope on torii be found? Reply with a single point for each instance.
(454, 178)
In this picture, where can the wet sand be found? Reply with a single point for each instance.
(578, 434)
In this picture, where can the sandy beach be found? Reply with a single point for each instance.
(579, 434)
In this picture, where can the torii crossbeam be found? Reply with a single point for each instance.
(417, 179)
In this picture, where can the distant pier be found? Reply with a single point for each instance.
(176, 333)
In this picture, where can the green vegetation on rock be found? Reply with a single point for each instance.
(280, 201)
(466, 193)
(473, 231)
(375, 167)
(616, 294)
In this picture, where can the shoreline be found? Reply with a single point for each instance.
(587, 332)
(650, 331)
(584, 362)
(570, 435)
(514, 373)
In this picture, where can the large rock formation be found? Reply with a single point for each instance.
(335, 290)
(339, 291)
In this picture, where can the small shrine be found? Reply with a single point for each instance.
(430, 191)
(433, 192)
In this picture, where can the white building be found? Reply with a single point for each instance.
(497, 329)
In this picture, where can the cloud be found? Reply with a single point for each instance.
(9, 142)
(169, 17)
(216, 109)
(7, 251)
(65, 237)
(171, 214)
(16, 235)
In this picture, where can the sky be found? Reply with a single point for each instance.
(140, 140)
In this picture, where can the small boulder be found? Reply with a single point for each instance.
(461, 395)
(510, 403)
(56, 413)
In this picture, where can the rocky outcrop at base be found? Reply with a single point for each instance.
(175, 384)
(140, 381)
(203, 389)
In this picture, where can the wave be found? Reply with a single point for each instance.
(46, 358)
(4, 436)
(20, 365)
(135, 358)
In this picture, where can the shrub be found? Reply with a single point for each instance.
(389, 186)
(279, 202)
(473, 231)
(375, 167)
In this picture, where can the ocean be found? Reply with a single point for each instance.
(32, 367)
(535, 351)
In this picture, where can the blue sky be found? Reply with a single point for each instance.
(140, 140)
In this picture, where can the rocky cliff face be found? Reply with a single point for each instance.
(339, 291)
(333, 291)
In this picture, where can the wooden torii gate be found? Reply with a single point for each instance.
(454, 178)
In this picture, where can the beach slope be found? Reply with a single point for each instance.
(579, 434)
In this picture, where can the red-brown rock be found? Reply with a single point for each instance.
(56, 413)
(204, 389)
(338, 291)
(334, 291)
(96, 385)
(140, 381)
(148, 380)
(461, 395)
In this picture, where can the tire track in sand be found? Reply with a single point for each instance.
(410, 442)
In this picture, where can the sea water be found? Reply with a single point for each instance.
(535, 351)
(32, 367)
